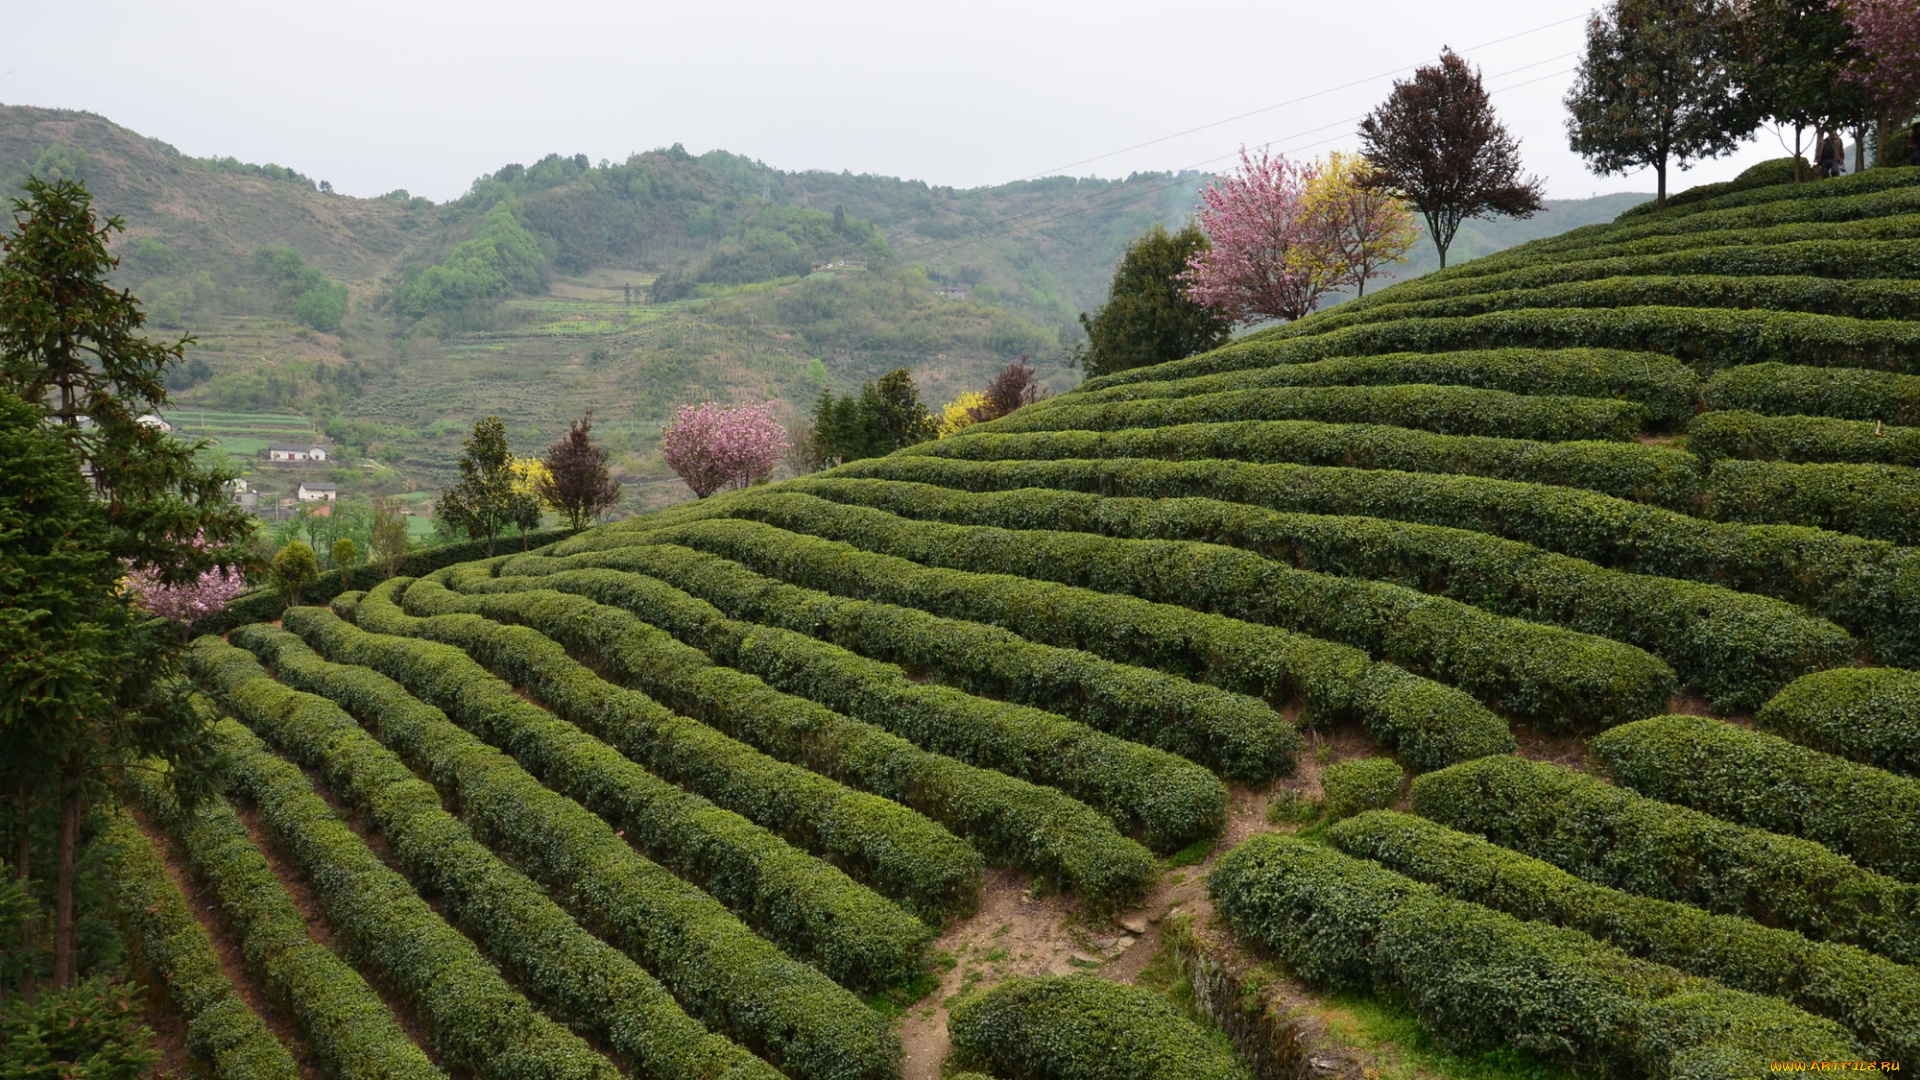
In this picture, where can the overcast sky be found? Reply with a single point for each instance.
(380, 95)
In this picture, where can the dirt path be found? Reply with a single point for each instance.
(226, 946)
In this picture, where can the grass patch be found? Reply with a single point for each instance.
(1407, 1052)
(1192, 855)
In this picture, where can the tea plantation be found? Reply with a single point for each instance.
(682, 797)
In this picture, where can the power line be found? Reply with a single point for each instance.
(1099, 199)
(1059, 169)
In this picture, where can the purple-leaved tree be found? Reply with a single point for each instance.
(712, 446)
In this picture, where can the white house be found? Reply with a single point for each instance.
(297, 451)
(153, 420)
(322, 491)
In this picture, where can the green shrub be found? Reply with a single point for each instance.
(1867, 714)
(89, 1029)
(1733, 433)
(1036, 829)
(1448, 410)
(1173, 800)
(1665, 386)
(1735, 647)
(1628, 841)
(606, 766)
(1082, 1027)
(1629, 470)
(737, 983)
(1855, 298)
(1239, 735)
(1871, 587)
(1361, 784)
(1786, 170)
(476, 1020)
(175, 950)
(577, 977)
(1847, 393)
(1769, 783)
(1546, 675)
(1430, 723)
(1881, 502)
(347, 1027)
(1476, 977)
(1878, 1000)
(1775, 175)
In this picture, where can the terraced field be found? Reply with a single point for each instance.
(1608, 538)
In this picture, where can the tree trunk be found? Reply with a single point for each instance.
(1798, 157)
(26, 886)
(1660, 171)
(66, 938)
(1860, 149)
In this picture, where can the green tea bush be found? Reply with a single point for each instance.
(1848, 393)
(1173, 800)
(1735, 433)
(1664, 385)
(1588, 827)
(1549, 676)
(1361, 784)
(1239, 735)
(1769, 783)
(1786, 170)
(476, 1019)
(174, 948)
(1737, 648)
(1871, 715)
(584, 981)
(736, 982)
(1430, 723)
(1875, 998)
(1881, 502)
(1081, 1027)
(347, 1027)
(901, 853)
(1629, 470)
(1039, 830)
(1475, 977)
(1448, 410)
(1871, 587)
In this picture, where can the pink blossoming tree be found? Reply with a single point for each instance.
(1887, 33)
(713, 447)
(1272, 246)
(189, 601)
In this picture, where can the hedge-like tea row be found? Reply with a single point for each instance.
(1707, 339)
(1548, 675)
(1757, 188)
(1847, 393)
(175, 950)
(1737, 648)
(1475, 977)
(603, 759)
(348, 1029)
(1236, 734)
(1174, 801)
(1430, 723)
(1628, 841)
(1871, 587)
(1867, 714)
(1847, 260)
(477, 1020)
(1769, 783)
(1876, 999)
(1667, 387)
(734, 981)
(1876, 298)
(1447, 410)
(1881, 502)
(1734, 433)
(1629, 470)
(1042, 831)
(1082, 1027)
(265, 605)
(591, 985)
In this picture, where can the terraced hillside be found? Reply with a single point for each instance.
(1608, 538)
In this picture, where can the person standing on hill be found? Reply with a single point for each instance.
(1832, 156)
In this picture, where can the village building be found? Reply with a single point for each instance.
(323, 491)
(298, 451)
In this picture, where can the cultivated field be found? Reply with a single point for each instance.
(1606, 538)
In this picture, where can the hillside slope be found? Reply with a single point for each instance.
(1598, 537)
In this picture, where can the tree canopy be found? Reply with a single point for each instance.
(1148, 317)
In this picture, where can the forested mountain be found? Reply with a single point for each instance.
(549, 288)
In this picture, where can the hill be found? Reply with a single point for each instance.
(1599, 537)
(389, 324)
